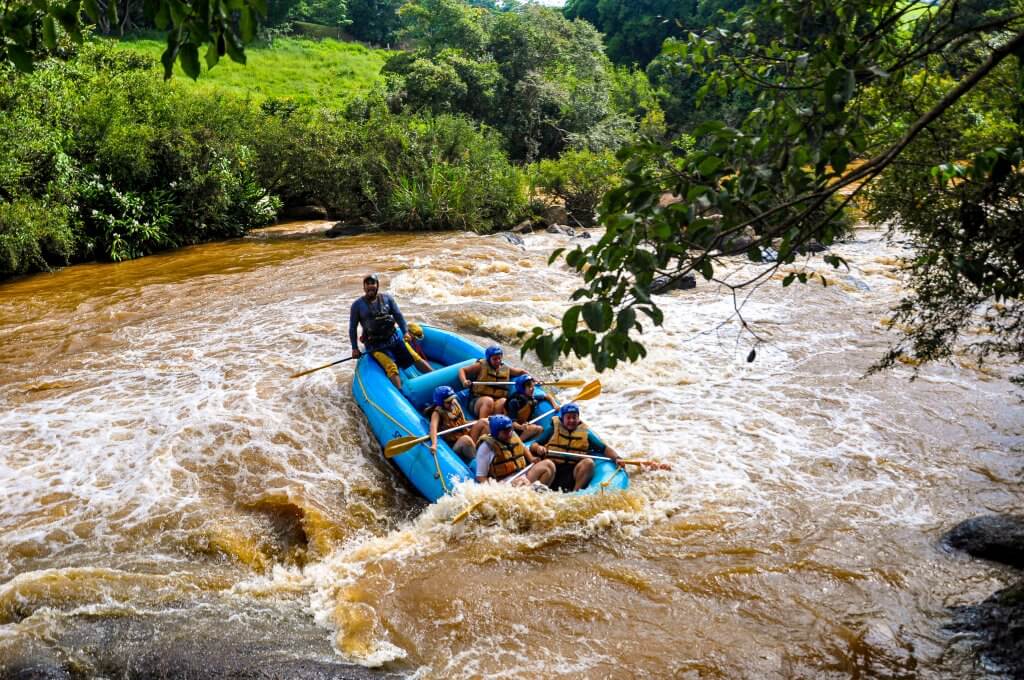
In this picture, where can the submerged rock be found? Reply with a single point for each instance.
(514, 239)
(554, 214)
(997, 624)
(561, 229)
(664, 284)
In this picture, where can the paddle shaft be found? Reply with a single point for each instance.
(558, 383)
(320, 368)
(585, 455)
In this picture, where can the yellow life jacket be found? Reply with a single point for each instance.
(488, 374)
(508, 458)
(450, 419)
(576, 441)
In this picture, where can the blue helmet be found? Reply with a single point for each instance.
(492, 351)
(521, 383)
(442, 394)
(568, 408)
(499, 424)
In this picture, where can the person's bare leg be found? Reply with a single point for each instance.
(543, 471)
(484, 407)
(396, 381)
(499, 405)
(479, 427)
(465, 448)
(583, 473)
(424, 366)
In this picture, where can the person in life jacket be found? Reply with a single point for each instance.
(415, 340)
(569, 433)
(502, 454)
(380, 318)
(486, 399)
(445, 413)
(522, 407)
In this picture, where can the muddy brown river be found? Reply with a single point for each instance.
(166, 487)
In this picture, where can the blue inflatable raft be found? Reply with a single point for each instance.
(392, 414)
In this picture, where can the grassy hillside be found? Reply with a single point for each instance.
(308, 72)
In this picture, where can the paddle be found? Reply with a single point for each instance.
(559, 383)
(648, 464)
(473, 506)
(318, 368)
(403, 444)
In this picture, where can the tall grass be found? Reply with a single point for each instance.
(322, 73)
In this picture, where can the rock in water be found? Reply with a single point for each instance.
(561, 229)
(514, 239)
(342, 229)
(999, 538)
(664, 284)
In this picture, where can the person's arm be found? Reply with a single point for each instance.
(398, 316)
(484, 456)
(353, 324)
(435, 419)
(539, 448)
(516, 372)
(464, 374)
(602, 449)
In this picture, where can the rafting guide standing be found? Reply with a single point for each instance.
(380, 317)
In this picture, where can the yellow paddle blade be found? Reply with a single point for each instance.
(589, 391)
(401, 445)
(465, 513)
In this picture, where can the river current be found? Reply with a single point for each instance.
(161, 475)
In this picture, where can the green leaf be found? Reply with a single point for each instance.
(839, 158)
(112, 18)
(167, 59)
(627, 317)
(598, 315)
(554, 255)
(709, 165)
(212, 57)
(20, 57)
(790, 277)
(247, 24)
(570, 320)
(707, 270)
(162, 19)
(189, 57)
(92, 9)
(49, 33)
(235, 50)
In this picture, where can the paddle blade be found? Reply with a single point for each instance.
(465, 513)
(401, 445)
(589, 391)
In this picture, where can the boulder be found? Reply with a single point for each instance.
(999, 538)
(554, 214)
(664, 284)
(514, 239)
(582, 234)
(561, 229)
(811, 247)
(303, 212)
(524, 227)
(341, 229)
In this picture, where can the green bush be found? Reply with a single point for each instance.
(580, 178)
(34, 236)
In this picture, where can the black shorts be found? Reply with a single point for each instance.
(565, 477)
(399, 352)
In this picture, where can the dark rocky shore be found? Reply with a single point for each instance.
(197, 644)
(996, 624)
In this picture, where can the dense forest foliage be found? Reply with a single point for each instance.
(764, 121)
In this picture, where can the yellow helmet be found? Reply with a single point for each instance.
(415, 330)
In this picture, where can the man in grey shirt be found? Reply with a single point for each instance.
(380, 318)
